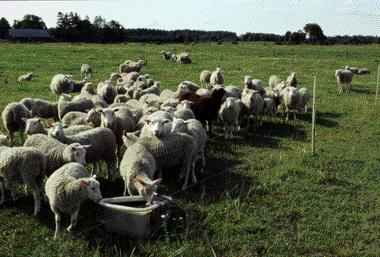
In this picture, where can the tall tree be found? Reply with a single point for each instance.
(4, 26)
(30, 21)
(314, 32)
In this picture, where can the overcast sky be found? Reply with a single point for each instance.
(336, 17)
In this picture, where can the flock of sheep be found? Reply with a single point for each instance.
(159, 129)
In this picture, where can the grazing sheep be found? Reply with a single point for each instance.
(168, 149)
(13, 115)
(205, 77)
(102, 144)
(62, 84)
(205, 107)
(66, 106)
(57, 153)
(217, 77)
(193, 128)
(304, 99)
(41, 108)
(254, 84)
(88, 92)
(354, 70)
(25, 77)
(344, 78)
(86, 70)
(118, 120)
(364, 71)
(67, 188)
(166, 55)
(292, 80)
(273, 81)
(183, 58)
(106, 91)
(35, 126)
(229, 114)
(129, 66)
(290, 99)
(137, 169)
(254, 102)
(25, 165)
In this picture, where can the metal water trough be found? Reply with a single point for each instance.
(137, 221)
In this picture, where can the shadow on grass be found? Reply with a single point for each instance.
(323, 119)
(363, 90)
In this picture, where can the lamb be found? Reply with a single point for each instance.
(292, 80)
(118, 120)
(205, 107)
(205, 77)
(166, 55)
(364, 71)
(184, 111)
(193, 128)
(57, 153)
(35, 126)
(354, 70)
(106, 91)
(25, 77)
(304, 99)
(67, 188)
(229, 114)
(13, 115)
(61, 84)
(66, 106)
(290, 99)
(168, 149)
(217, 77)
(344, 78)
(137, 169)
(254, 102)
(102, 143)
(25, 165)
(273, 81)
(41, 108)
(86, 70)
(254, 84)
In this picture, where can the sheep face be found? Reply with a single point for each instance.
(76, 153)
(33, 126)
(88, 88)
(148, 190)
(183, 88)
(93, 115)
(4, 140)
(130, 138)
(92, 188)
(248, 80)
(177, 125)
(230, 102)
(186, 104)
(157, 127)
(108, 117)
(65, 97)
(56, 130)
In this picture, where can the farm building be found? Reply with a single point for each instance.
(29, 35)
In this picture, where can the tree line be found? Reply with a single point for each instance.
(71, 27)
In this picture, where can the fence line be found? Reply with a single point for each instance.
(313, 119)
(377, 84)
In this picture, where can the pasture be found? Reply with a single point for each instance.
(267, 195)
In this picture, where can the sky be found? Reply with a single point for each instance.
(336, 17)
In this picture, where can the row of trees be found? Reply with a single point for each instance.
(71, 28)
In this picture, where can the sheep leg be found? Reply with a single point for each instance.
(12, 189)
(94, 168)
(294, 116)
(37, 200)
(184, 186)
(74, 219)
(203, 160)
(2, 191)
(125, 188)
(193, 177)
(26, 189)
(209, 128)
(225, 132)
(111, 170)
(11, 136)
(57, 221)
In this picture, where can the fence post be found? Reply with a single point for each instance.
(313, 119)
(377, 86)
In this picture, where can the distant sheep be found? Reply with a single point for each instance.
(273, 81)
(229, 114)
(204, 77)
(354, 70)
(217, 77)
(344, 78)
(62, 84)
(13, 115)
(25, 77)
(106, 91)
(364, 71)
(292, 80)
(86, 70)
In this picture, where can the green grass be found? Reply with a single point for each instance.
(273, 198)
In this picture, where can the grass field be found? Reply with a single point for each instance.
(272, 197)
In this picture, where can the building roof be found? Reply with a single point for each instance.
(28, 33)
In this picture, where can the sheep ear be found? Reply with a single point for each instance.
(115, 110)
(165, 121)
(142, 182)
(157, 181)
(147, 121)
(83, 183)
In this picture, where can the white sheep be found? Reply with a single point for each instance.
(41, 108)
(290, 99)
(57, 153)
(62, 84)
(229, 114)
(13, 115)
(217, 77)
(232, 91)
(106, 91)
(292, 80)
(36, 126)
(203, 91)
(184, 111)
(344, 78)
(67, 188)
(273, 81)
(364, 71)
(183, 58)
(66, 106)
(204, 77)
(86, 70)
(25, 77)
(254, 84)
(255, 105)
(25, 165)
(304, 99)
(354, 70)
(137, 169)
